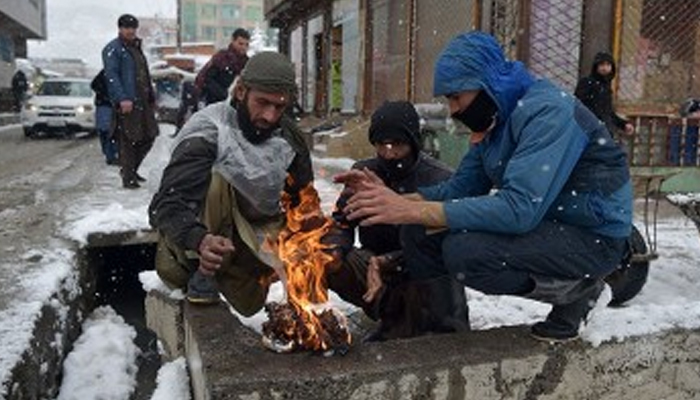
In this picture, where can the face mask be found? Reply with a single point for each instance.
(397, 167)
(480, 114)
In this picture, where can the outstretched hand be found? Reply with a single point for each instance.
(377, 204)
(357, 179)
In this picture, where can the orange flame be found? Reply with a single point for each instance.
(300, 249)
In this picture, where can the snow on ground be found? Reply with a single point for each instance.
(103, 363)
(173, 381)
(54, 271)
(670, 298)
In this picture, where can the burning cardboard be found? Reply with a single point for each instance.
(304, 322)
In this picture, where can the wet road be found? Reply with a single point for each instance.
(39, 178)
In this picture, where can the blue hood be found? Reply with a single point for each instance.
(473, 61)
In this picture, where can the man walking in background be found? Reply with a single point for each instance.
(130, 90)
(19, 89)
(217, 75)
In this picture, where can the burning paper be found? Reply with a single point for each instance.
(304, 322)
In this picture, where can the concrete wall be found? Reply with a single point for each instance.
(227, 361)
(37, 375)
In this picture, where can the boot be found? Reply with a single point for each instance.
(415, 308)
(130, 184)
(201, 289)
(570, 307)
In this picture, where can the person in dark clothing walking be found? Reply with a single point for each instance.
(131, 91)
(19, 89)
(104, 122)
(371, 276)
(214, 79)
(188, 103)
(595, 92)
(539, 207)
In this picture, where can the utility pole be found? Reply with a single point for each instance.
(178, 26)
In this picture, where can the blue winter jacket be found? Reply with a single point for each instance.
(548, 157)
(120, 69)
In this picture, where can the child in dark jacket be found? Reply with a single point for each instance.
(595, 92)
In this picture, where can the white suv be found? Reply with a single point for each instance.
(61, 105)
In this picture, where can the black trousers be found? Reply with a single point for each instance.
(506, 264)
(131, 155)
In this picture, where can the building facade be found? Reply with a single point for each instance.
(158, 31)
(215, 20)
(19, 20)
(351, 55)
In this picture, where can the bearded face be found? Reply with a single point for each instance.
(259, 112)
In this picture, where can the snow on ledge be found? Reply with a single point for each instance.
(683, 198)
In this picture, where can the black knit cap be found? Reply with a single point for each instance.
(396, 121)
(128, 21)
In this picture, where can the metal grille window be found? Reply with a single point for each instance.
(555, 40)
(502, 20)
(658, 66)
(659, 57)
(547, 37)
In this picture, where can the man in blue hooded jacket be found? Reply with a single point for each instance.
(539, 207)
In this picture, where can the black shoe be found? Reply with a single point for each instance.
(112, 162)
(201, 289)
(563, 322)
(140, 178)
(130, 184)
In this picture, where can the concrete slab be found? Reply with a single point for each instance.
(227, 361)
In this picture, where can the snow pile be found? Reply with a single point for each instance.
(103, 220)
(151, 282)
(684, 198)
(103, 363)
(173, 381)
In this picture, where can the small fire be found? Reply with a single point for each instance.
(304, 322)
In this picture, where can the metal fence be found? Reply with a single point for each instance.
(656, 44)
(436, 23)
(659, 54)
(390, 49)
(658, 63)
